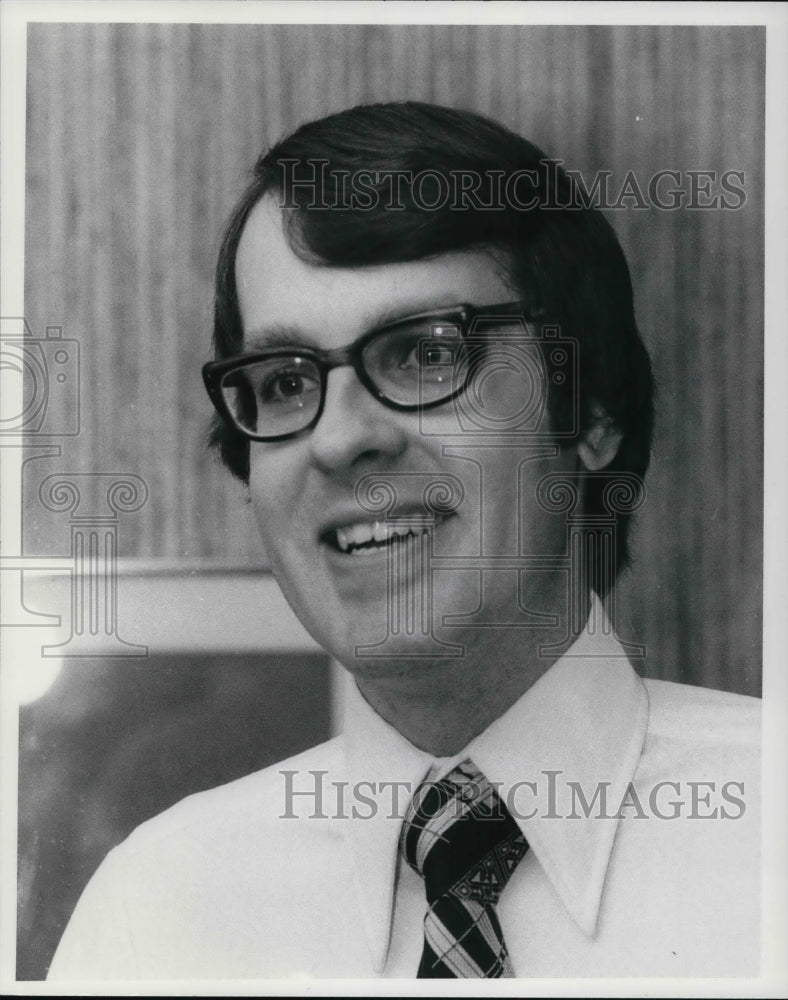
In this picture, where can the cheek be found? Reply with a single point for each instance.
(271, 493)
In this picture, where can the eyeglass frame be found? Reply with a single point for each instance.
(462, 315)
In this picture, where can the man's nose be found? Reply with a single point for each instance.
(354, 429)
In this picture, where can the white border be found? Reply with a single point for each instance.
(392, 12)
(16, 14)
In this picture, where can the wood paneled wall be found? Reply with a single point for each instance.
(140, 137)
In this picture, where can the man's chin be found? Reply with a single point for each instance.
(399, 656)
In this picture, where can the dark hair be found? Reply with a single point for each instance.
(561, 254)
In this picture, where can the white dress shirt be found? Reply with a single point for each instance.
(248, 881)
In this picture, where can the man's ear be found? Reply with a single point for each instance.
(600, 443)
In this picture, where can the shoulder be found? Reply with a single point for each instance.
(252, 806)
(702, 715)
(687, 853)
(193, 888)
(701, 735)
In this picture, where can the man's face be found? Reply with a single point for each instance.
(304, 489)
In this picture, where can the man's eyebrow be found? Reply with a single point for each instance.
(279, 336)
(389, 316)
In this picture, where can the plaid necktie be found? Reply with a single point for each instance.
(460, 838)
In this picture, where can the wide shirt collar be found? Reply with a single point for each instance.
(583, 722)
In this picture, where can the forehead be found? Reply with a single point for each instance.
(334, 305)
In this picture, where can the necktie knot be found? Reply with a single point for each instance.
(464, 843)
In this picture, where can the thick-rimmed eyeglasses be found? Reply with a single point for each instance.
(414, 363)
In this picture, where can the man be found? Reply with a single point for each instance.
(429, 374)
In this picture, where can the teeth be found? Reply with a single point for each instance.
(365, 537)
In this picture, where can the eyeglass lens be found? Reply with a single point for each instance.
(274, 396)
(413, 364)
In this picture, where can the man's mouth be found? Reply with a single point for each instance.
(364, 538)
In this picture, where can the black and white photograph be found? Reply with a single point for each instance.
(393, 469)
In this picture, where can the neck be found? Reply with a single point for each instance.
(440, 705)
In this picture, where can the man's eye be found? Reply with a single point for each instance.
(420, 352)
(438, 354)
(285, 386)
